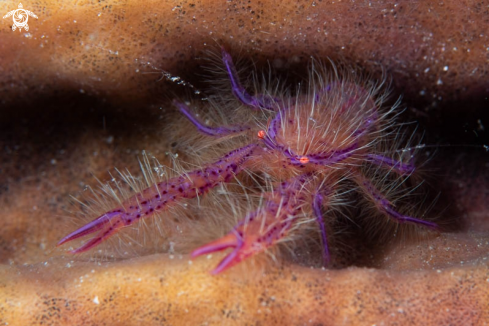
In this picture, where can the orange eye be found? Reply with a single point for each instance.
(261, 134)
(304, 159)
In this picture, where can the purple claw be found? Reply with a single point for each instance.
(163, 195)
(262, 228)
(232, 240)
(89, 228)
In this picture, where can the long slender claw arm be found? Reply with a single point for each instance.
(163, 195)
(257, 102)
(316, 206)
(210, 131)
(386, 206)
(262, 228)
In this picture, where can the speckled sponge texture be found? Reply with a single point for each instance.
(83, 91)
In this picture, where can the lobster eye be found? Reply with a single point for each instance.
(261, 134)
(304, 159)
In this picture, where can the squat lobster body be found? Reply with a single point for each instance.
(311, 144)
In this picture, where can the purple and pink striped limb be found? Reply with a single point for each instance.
(262, 228)
(163, 195)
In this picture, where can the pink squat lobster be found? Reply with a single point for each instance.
(311, 143)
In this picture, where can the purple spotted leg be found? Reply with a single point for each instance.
(262, 228)
(163, 195)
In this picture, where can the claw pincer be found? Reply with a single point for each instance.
(262, 228)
